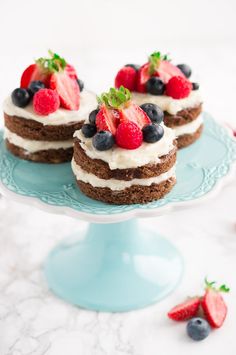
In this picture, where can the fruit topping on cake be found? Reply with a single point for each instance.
(49, 74)
(119, 121)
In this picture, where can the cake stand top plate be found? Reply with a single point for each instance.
(201, 169)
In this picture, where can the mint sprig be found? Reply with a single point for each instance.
(115, 98)
(155, 59)
(211, 285)
(54, 63)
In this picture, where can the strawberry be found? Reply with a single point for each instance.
(185, 310)
(126, 77)
(33, 73)
(178, 87)
(167, 70)
(135, 114)
(107, 119)
(213, 304)
(129, 135)
(71, 71)
(142, 77)
(67, 89)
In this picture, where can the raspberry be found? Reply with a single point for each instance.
(46, 101)
(129, 135)
(178, 87)
(126, 77)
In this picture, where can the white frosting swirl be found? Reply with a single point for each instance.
(88, 103)
(167, 103)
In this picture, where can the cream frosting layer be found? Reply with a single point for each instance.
(188, 128)
(118, 158)
(33, 146)
(88, 103)
(118, 185)
(167, 103)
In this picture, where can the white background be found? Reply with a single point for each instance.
(98, 37)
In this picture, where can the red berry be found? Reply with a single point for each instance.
(126, 77)
(214, 308)
(129, 135)
(142, 77)
(107, 119)
(185, 310)
(167, 70)
(178, 87)
(71, 71)
(135, 114)
(33, 73)
(67, 89)
(46, 101)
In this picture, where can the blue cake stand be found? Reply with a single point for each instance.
(117, 266)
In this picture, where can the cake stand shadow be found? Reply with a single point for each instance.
(117, 265)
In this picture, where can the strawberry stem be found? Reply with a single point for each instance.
(115, 98)
(154, 60)
(53, 64)
(211, 285)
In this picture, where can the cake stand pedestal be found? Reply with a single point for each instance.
(116, 265)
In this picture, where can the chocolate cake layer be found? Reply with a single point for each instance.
(43, 156)
(34, 130)
(187, 139)
(182, 117)
(101, 169)
(128, 196)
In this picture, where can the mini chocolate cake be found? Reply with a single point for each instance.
(122, 156)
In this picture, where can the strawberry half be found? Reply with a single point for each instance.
(33, 73)
(167, 70)
(67, 89)
(107, 119)
(71, 71)
(185, 310)
(142, 77)
(135, 114)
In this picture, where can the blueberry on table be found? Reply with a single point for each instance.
(152, 133)
(35, 86)
(89, 130)
(186, 70)
(103, 140)
(92, 116)
(154, 112)
(155, 86)
(134, 66)
(195, 86)
(20, 97)
(198, 329)
(81, 84)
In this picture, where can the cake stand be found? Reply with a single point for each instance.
(117, 266)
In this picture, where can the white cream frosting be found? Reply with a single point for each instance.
(167, 103)
(88, 103)
(118, 158)
(188, 128)
(33, 146)
(118, 185)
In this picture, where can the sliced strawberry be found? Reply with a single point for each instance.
(185, 310)
(71, 71)
(167, 70)
(135, 114)
(26, 76)
(214, 308)
(142, 77)
(34, 73)
(126, 77)
(107, 119)
(67, 89)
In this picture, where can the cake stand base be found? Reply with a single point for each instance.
(116, 267)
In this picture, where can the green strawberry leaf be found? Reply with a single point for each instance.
(115, 98)
(53, 64)
(155, 59)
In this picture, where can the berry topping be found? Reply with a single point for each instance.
(152, 133)
(67, 89)
(35, 86)
(46, 101)
(142, 77)
(195, 86)
(178, 87)
(134, 66)
(135, 114)
(33, 73)
(126, 77)
(81, 84)
(92, 116)
(213, 304)
(186, 70)
(103, 140)
(129, 135)
(154, 112)
(20, 97)
(89, 130)
(161, 66)
(198, 329)
(71, 71)
(185, 310)
(107, 119)
(155, 86)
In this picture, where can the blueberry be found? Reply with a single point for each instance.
(195, 86)
(154, 112)
(81, 84)
(134, 66)
(155, 86)
(186, 70)
(89, 130)
(152, 133)
(20, 97)
(198, 329)
(103, 140)
(92, 116)
(35, 86)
